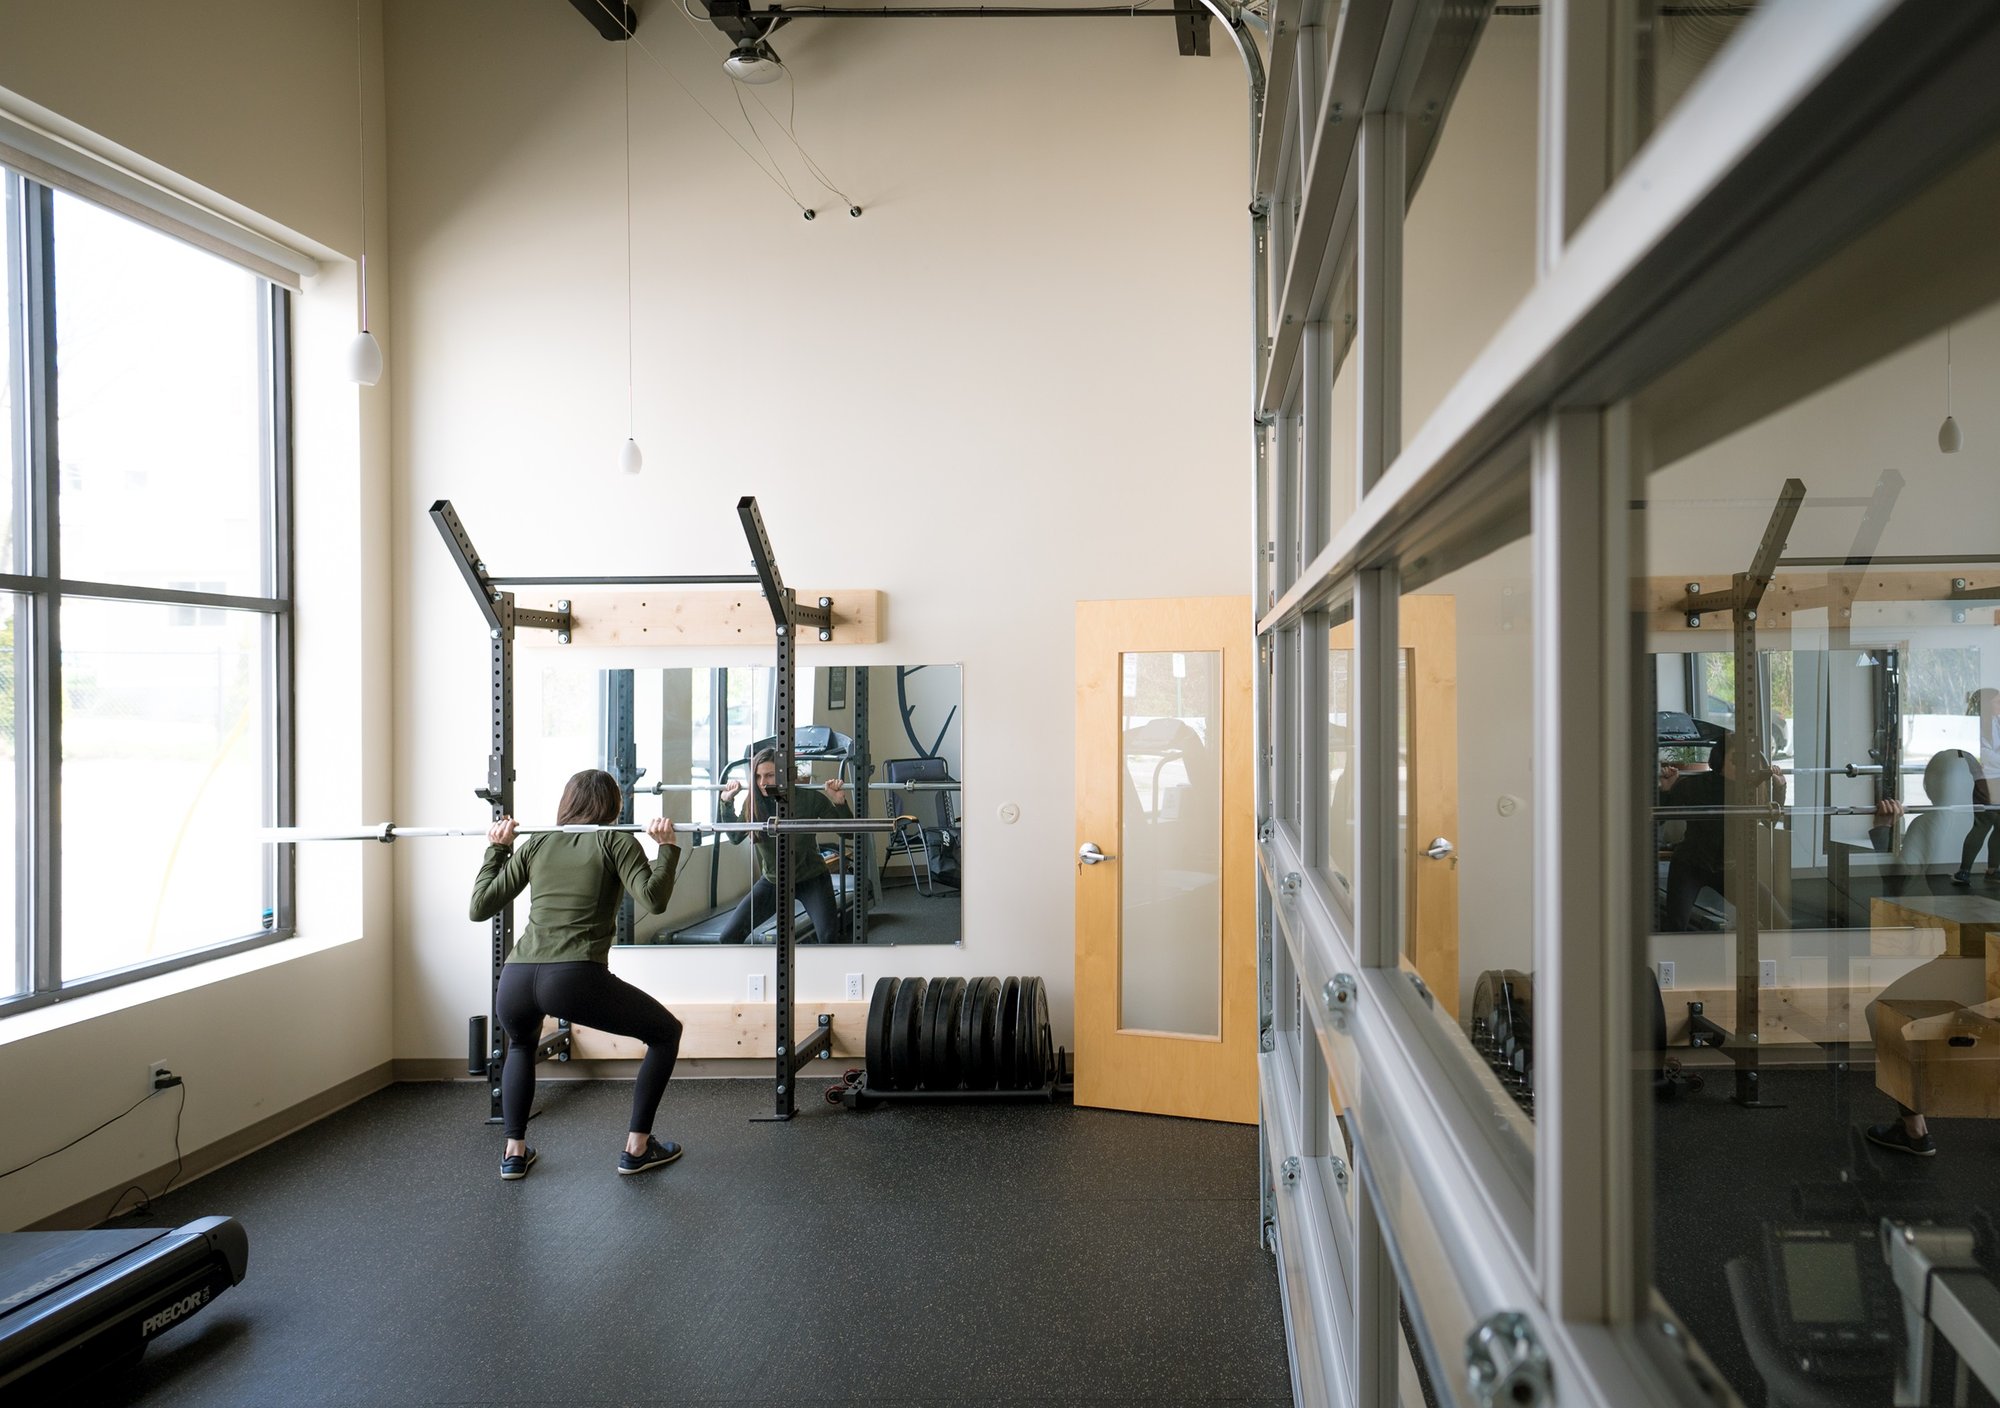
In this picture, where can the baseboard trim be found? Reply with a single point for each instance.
(89, 1212)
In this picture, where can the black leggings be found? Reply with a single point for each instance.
(1985, 828)
(586, 993)
(761, 903)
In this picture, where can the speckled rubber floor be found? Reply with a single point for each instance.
(964, 1255)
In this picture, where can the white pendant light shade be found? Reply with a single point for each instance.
(1948, 437)
(364, 359)
(629, 458)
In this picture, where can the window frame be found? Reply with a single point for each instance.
(41, 588)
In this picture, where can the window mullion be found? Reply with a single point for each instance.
(40, 815)
(277, 519)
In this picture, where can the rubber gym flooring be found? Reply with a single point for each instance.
(930, 1255)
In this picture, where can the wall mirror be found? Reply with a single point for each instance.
(679, 740)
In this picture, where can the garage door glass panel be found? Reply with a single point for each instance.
(1469, 238)
(1821, 876)
(1170, 844)
(1466, 627)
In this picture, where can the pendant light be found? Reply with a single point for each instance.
(1948, 437)
(629, 458)
(364, 354)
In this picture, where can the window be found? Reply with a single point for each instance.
(145, 641)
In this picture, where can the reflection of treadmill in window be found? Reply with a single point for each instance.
(812, 743)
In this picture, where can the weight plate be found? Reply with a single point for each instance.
(947, 1066)
(1038, 1045)
(1027, 1038)
(932, 1030)
(973, 1063)
(905, 1065)
(1003, 1047)
(1049, 1071)
(881, 1017)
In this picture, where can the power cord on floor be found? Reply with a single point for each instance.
(145, 1203)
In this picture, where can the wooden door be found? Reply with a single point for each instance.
(1428, 635)
(1166, 962)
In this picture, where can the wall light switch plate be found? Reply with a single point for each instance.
(756, 992)
(1666, 973)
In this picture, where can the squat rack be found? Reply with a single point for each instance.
(503, 619)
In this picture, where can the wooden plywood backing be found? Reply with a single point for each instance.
(712, 1030)
(675, 616)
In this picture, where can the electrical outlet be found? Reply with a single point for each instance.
(153, 1074)
(1767, 972)
(1666, 973)
(854, 983)
(756, 987)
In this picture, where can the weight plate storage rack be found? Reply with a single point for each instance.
(943, 1039)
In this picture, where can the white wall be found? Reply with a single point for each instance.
(253, 108)
(1015, 383)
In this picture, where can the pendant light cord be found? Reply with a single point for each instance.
(1947, 373)
(628, 238)
(361, 146)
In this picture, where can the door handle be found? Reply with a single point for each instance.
(1090, 855)
(1438, 849)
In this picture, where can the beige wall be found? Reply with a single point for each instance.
(1017, 382)
(255, 104)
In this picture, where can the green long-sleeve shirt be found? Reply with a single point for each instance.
(806, 802)
(574, 880)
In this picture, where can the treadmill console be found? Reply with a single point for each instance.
(1831, 1296)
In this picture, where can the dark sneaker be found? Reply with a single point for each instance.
(1961, 877)
(1894, 1136)
(515, 1166)
(656, 1155)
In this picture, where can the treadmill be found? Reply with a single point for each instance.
(76, 1304)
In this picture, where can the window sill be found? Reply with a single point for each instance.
(34, 1021)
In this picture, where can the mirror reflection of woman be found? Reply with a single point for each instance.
(1985, 829)
(560, 965)
(811, 883)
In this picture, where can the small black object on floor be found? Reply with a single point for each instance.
(969, 1254)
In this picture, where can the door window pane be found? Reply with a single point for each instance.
(1822, 871)
(1170, 844)
(1465, 628)
(163, 413)
(163, 720)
